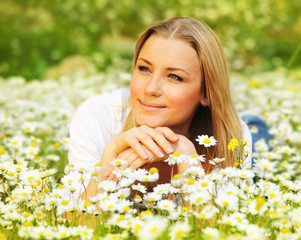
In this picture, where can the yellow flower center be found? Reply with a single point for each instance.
(64, 202)
(191, 181)
(225, 203)
(153, 170)
(176, 154)
(154, 229)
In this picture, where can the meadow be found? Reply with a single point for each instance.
(56, 54)
(36, 188)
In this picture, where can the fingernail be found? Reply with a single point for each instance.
(160, 154)
(169, 149)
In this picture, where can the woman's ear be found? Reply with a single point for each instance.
(204, 101)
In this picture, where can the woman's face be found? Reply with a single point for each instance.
(166, 84)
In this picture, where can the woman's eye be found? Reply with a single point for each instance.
(143, 69)
(175, 77)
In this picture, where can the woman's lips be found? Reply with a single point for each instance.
(150, 106)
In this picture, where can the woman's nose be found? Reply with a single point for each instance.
(154, 85)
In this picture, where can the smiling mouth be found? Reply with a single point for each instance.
(150, 107)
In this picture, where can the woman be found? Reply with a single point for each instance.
(179, 90)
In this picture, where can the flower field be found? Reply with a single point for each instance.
(35, 193)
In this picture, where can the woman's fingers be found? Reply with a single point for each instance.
(147, 138)
(160, 141)
(138, 163)
(169, 134)
(129, 155)
(155, 140)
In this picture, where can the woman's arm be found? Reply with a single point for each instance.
(134, 161)
(147, 144)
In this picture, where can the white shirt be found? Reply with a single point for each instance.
(97, 120)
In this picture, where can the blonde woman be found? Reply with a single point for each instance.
(179, 90)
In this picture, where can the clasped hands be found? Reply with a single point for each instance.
(143, 145)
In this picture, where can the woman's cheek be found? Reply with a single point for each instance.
(134, 86)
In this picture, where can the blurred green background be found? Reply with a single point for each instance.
(48, 38)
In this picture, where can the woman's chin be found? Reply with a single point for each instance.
(149, 124)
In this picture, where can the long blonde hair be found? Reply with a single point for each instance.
(220, 118)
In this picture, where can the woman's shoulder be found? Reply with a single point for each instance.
(112, 106)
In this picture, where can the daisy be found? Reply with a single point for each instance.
(198, 198)
(211, 233)
(179, 230)
(139, 187)
(207, 212)
(175, 158)
(139, 173)
(152, 228)
(110, 204)
(195, 171)
(177, 180)
(195, 159)
(108, 186)
(166, 205)
(53, 158)
(98, 167)
(126, 182)
(118, 162)
(123, 205)
(227, 201)
(162, 189)
(29, 127)
(216, 161)
(123, 193)
(206, 141)
(152, 197)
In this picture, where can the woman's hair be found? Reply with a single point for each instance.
(220, 118)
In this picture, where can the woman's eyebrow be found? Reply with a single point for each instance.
(177, 69)
(143, 59)
(169, 69)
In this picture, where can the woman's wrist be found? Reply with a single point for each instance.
(185, 146)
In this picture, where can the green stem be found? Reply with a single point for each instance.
(293, 57)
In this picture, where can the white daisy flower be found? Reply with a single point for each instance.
(118, 162)
(29, 127)
(108, 186)
(152, 197)
(167, 205)
(206, 141)
(175, 158)
(163, 188)
(177, 180)
(195, 171)
(152, 228)
(195, 159)
(126, 182)
(211, 233)
(216, 161)
(139, 187)
(198, 198)
(179, 230)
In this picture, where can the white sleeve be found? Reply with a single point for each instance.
(247, 137)
(89, 132)
(94, 124)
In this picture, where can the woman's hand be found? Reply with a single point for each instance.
(159, 141)
(139, 146)
(134, 161)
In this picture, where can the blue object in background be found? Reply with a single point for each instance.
(258, 129)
